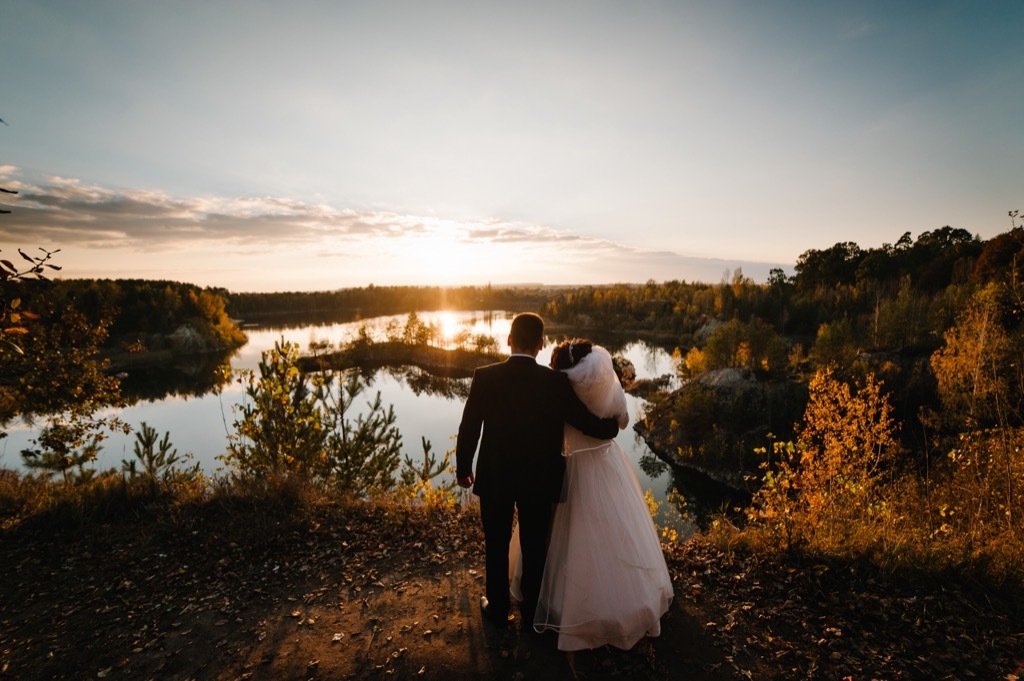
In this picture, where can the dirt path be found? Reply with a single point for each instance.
(430, 628)
(233, 594)
(364, 591)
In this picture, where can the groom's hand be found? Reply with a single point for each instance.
(466, 482)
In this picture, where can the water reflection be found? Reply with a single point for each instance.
(421, 382)
(195, 401)
(652, 466)
(706, 498)
(183, 376)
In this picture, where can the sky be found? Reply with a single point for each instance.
(268, 146)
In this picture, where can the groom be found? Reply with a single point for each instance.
(521, 407)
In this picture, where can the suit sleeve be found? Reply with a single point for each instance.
(578, 416)
(469, 430)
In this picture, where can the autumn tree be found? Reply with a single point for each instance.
(734, 344)
(979, 364)
(827, 484)
(981, 386)
(12, 309)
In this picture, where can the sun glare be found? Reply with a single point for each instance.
(444, 256)
(449, 326)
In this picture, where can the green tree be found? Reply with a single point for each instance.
(58, 366)
(415, 332)
(70, 443)
(58, 375)
(754, 345)
(833, 266)
(418, 478)
(362, 453)
(900, 322)
(281, 431)
(294, 425)
(159, 460)
(834, 345)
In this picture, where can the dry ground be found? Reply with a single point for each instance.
(370, 591)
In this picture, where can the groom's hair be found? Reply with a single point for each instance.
(527, 330)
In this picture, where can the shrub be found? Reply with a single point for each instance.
(294, 425)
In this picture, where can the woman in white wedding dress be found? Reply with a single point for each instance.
(605, 580)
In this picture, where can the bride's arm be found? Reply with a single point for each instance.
(578, 415)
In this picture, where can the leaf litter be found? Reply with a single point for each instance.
(360, 590)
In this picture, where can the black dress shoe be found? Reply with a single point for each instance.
(492, 614)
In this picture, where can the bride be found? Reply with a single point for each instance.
(605, 581)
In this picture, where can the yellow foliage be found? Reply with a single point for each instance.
(970, 367)
(669, 516)
(825, 483)
(696, 362)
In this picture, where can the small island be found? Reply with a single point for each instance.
(440, 362)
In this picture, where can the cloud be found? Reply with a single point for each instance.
(209, 237)
(513, 232)
(65, 210)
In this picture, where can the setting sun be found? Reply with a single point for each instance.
(449, 326)
(438, 256)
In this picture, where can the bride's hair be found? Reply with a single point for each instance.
(568, 353)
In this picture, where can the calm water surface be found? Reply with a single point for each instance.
(200, 425)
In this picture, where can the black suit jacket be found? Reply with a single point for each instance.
(521, 407)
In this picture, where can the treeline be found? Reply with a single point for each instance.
(883, 310)
(135, 312)
(373, 301)
(892, 303)
(898, 296)
(60, 340)
(874, 399)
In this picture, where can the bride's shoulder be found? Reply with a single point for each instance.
(600, 358)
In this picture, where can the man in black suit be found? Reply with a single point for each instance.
(521, 407)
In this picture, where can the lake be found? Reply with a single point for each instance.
(199, 424)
